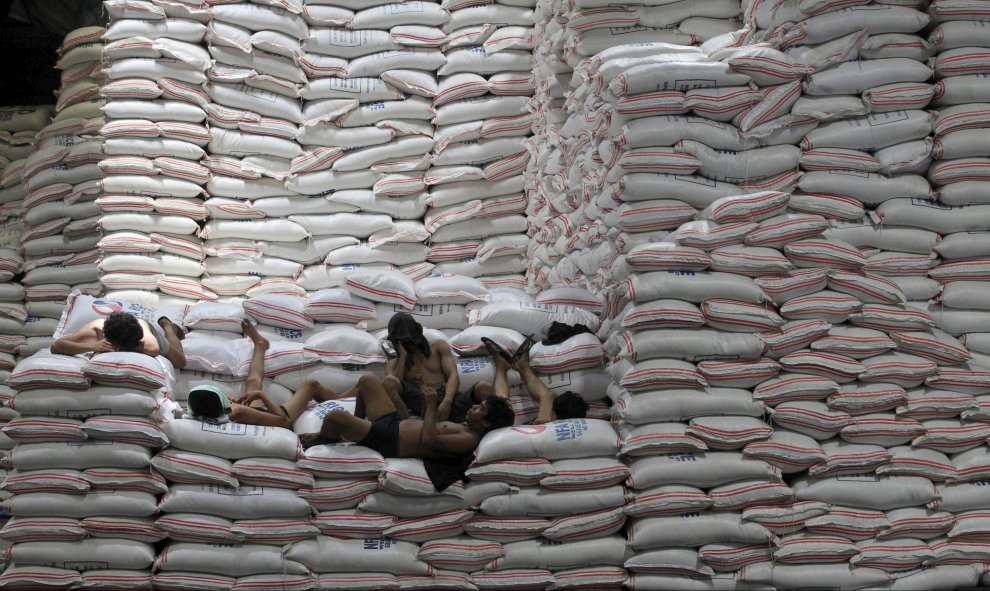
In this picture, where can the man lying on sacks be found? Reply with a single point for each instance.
(447, 448)
(209, 403)
(421, 365)
(125, 332)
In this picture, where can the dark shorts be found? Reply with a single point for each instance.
(384, 435)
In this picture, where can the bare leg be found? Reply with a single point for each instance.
(311, 390)
(256, 370)
(337, 426)
(393, 388)
(376, 399)
(501, 386)
(538, 391)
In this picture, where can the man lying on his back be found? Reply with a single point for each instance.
(211, 404)
(385, 432)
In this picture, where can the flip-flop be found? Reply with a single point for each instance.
(522, 349)
(492, 345)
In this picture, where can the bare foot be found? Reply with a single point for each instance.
(309, 440)
(252, 333)
(522, 364)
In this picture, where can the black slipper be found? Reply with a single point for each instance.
(492, 345)
(523, 349)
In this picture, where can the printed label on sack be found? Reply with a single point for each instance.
(682, 457)
(81, 565)
(878, 119)
(377, 543)
(546, 542)
(242, 491)
(469, 365)
(866, 477)
(569, 429)
(224, 428)
(83, 414)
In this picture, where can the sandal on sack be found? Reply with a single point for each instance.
(523, 349)
(496, 349)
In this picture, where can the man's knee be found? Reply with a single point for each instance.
(483, 390)
(368, 379)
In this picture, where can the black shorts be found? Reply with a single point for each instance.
(384, 435)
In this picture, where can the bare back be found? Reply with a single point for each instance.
(91, 333)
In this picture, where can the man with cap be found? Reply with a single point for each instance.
(211, 404)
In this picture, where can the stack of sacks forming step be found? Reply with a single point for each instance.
(581, 51)
(18, 128)
(814, 305)
(61, 183)
(560, 525)
(151, 193)
(477, 198)
(256, 240)
(80, 495)
(235, 498)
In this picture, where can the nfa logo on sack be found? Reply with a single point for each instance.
(377, 543)
(570, 429)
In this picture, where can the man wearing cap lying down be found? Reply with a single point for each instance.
(121, 331)
(210, 403)
(394, 437)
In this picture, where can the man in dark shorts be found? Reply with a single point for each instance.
(254, 407)
(394, 437)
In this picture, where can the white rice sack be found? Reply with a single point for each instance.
(694, 529)
(530, 318)
(111, 503)
(246, 502)
(536, 502)
(557, 440)
(237, 560)
(382, 286)
(867, 491)
(332, 555)
(233, 441)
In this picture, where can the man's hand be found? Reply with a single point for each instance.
(443, 411)
(103, 346)
(249, 397)
(401, 350)
(430, 396)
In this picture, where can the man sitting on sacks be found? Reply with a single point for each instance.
(420, 366)
(121, 331)
(254, 407)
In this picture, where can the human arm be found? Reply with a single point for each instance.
(175, 353)
(88, 339)
(442, 444)
(453, 384)
(396, 368)
(266, 402)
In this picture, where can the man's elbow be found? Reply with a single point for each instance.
(59, 347)
(178, 361)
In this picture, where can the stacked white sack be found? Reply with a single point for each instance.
(235, 498)
(153, 187)
(252, 240)
(559, 524)
(83, 498)
(62, 182)
(477, 199)
(18, 129)
(571, 178)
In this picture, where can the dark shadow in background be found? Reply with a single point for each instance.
(30, 33)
